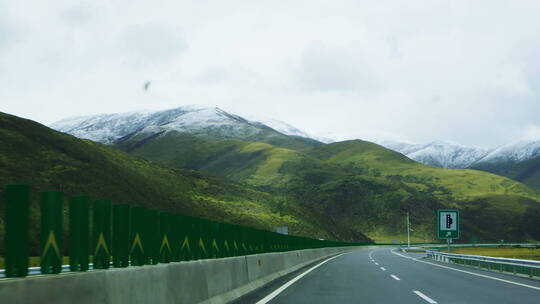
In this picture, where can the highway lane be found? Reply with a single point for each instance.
(383, 276)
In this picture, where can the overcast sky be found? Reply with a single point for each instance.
(464, 71)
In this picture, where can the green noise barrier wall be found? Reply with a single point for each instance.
(79, 233)
(101, 234)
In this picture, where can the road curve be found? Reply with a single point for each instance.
(385, 275)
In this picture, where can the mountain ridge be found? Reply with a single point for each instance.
(126, 129)
(439, 153)
(206, 122)
(347, 179)
(50, 160)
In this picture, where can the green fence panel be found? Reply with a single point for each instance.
(250, 240)
(199, 249)
(188, 238)
(227, 242)
(17, 198)
(79, 233)
(121, 236)
(165, 237)
(261, 235)
(137, 251)
(189, 243)
(101, 247)
(51, 206)
(139, 236)
(212, 240)
(195, 237)
(271, 242)
(237, 240)
(219, 240)
(206, 237)
(152, 236)
(177, 237)
(244, 246)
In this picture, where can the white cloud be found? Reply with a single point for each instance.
(466, 71)
(324, 68)
(151, 44)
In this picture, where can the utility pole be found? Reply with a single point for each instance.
(408, 232)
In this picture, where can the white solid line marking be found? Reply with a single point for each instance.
(272, 295)
(423, 296)
(395, 278)
(383, 269)
(376, 263)
(464, 271)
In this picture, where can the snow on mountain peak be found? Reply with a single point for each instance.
(282, 127)
(438, 153)
(213, 121)
(447, 154)
(108, 128)
(517, 151)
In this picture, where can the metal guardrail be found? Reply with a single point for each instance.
(37, 270)
(466, 245)
(529, 268)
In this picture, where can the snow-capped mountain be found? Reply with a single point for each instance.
(448, 155)
(404, 148)
(216, 123)
(515, 152)
(451, 155)
(284, 128)
(439, 153)
(209, 122)
(287, 129)
(104, 128)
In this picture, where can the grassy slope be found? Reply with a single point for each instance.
(257, 163)
(527, 172)
(360, 186)
(457, 184)
(253, 163)
(49, 160)
(503, 252)
(486, 200)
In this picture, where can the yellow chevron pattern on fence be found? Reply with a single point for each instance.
(201, 245)
(165, 243)
(136, 241)
(51, 244)
(144, 222)
(185, 244)
(101, 243)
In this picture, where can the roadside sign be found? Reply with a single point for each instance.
(448, 223)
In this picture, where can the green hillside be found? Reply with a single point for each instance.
(49, 160)
(527, 172)
(256, 163)
(455, 184)
(361, 185)
(492, 206)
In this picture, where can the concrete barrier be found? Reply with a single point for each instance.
(213, 281)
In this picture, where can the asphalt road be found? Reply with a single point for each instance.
(384, 275)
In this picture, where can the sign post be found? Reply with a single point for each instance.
(448, 225)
